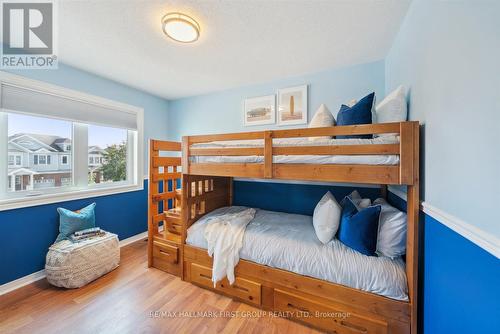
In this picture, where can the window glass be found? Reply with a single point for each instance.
(28, 168)
(107, 154)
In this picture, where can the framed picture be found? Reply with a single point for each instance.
(292, 105)
(260, 110)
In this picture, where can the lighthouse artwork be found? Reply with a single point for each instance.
(292, 105)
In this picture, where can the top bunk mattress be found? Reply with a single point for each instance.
(296, 159)
(288, 241)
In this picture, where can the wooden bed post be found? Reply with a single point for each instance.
(230, 191)
(153, 205)
(383, 191)
(185, 210)
(268, 154)
(185, 155)
(413, 209)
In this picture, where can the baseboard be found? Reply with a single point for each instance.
(36, 276)
(133, 238)
(20, 282)
(486, 241)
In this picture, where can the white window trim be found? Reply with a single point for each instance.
(135, 180)
(67, 159)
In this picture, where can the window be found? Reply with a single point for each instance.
(109, 143)
(65, 145)
(41, 159)
(15, 160)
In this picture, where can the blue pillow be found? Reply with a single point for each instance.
(359, 228)
(71, 221)
(360, 113)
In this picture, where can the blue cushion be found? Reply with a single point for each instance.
(360, 113)
(359, 228)
(71, 221)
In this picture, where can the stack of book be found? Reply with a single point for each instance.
(86, 234)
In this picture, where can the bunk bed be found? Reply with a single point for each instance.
(210, 162)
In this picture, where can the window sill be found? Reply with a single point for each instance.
(27, 201)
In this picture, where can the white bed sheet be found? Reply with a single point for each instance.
(305, 159)
(288, 242)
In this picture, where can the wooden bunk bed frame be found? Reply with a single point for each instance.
(208, 186)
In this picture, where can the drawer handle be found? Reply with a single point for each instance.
(357, 328)
(236, 287)
(205, 276)
(298, 308)
(165, 253)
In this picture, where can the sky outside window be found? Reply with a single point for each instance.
(98, 135)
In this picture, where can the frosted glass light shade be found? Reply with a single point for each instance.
(180, 27)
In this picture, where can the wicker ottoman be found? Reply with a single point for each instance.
(72, 265)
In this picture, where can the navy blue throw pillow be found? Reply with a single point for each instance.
(360, 113)
(359, 228)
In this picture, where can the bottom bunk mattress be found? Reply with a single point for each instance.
(288, 241)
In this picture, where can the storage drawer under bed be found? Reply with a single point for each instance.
(165, 252)
(329, 317)
(242, 288)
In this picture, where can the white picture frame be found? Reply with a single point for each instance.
(259, 110)
(292, 105)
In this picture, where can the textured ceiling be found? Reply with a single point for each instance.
(241, 43)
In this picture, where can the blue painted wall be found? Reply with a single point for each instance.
(291, 197)
(27, 233)
(460, 285)
(447, 53)
(223, 111)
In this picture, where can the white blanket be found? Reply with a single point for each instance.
(224, 235)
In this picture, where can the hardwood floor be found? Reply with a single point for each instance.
(133, 299)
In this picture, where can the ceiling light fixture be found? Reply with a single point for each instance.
(180, 27)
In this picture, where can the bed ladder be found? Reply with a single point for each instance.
(165, 209)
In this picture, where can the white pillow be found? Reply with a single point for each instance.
(359, 202)
(392, 108)
(322, 118)
(391, 241)
(326, 218)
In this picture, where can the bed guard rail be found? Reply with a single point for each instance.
(405, 172)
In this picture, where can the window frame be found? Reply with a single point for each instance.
(79, 189)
